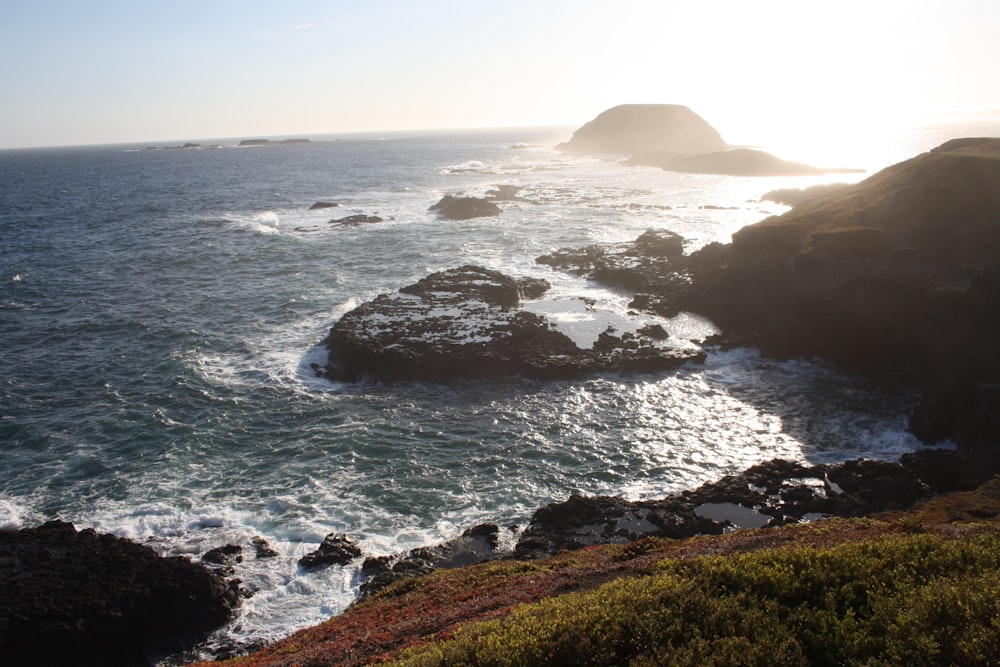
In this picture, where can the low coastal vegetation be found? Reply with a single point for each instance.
(915, 588)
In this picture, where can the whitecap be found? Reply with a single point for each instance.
(12, 515)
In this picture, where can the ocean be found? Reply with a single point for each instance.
(160, 312)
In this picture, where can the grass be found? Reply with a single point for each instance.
(915, 588)
(911, 599)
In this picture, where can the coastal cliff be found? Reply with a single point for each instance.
(899, 273)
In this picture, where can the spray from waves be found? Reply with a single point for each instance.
(267, 222)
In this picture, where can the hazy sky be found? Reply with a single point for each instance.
(98, 71)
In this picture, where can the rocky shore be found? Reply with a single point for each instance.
(77, 597)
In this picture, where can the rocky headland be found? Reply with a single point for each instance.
(899, 275)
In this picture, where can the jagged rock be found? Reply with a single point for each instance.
(262, 549)
(635, 128)
(475, 545)
(466, 322)
(768, 494)
(464, 208)
(336, 549)
(69, 597)
(653, 266)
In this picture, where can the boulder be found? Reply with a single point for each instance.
(336, 549)
(77, 597)
(639, 128)
(464, 208)
(323, 204)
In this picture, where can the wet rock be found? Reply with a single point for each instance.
(77, 597)
(467, 323)
(262, 549)
(323, 204)
(464, 208)
(336, 549)
(475, 545)
(356, 220)
(769, 494)
(653, 266)
(224, 555)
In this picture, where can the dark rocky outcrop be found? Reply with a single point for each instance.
(356, 220)
(733, 162)
(323, 204)
(336, 549)
(77, 597)
(467, 323)
(653, 266)
(774, 493)
(640, 128)
(475, 545)
(464, 208)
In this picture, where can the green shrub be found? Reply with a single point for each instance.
(914, 600)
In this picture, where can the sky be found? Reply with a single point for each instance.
(101, 71)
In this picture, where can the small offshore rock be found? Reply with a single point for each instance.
(323, 204)
(464, 208)
(336, 549)
(224, 555)
(356, 220)
(262, 549)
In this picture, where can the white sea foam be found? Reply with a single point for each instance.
(13, 514)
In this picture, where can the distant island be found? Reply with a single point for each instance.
(273, 142)
(641, 128)
(674, 138)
